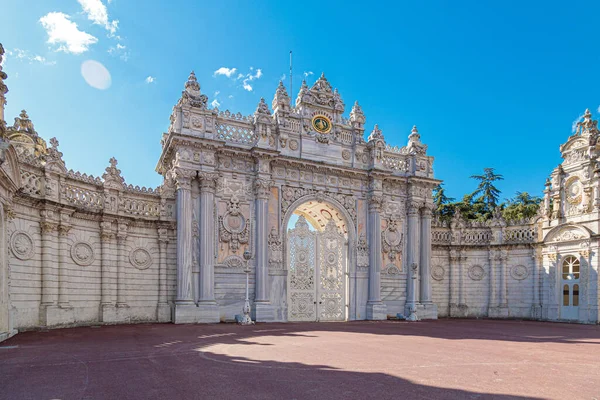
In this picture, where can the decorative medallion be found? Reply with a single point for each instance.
(321, 124)
(233, 227)
(82, 253)
(391, 269)
(574, 191)
(476, 272)
(140, 258)
(22, 245)
(438, 272)
(346, 154)
(293, 144)
(234, 261)
(519, 272)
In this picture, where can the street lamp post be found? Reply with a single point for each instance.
(246, 319)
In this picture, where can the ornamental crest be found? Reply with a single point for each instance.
(391, 239)
(233, 226)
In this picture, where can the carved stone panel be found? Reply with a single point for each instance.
(82, 253)
(21, 244)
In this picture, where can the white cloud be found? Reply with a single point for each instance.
(598, 109)
(249, 78)
(246, 85)
(217, 93)
(574, 124)
(230, 96)
(24, 55)
(225, 71)
(215, 103)
(308, 73)
(64, 33)
(119, 50)
(97, 13)
(150, 79)
(282, 78)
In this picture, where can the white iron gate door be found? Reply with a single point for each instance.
(316, 280)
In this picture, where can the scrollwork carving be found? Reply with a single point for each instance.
(233, 226)
(391, 239)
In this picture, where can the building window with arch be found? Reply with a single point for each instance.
(570, 267)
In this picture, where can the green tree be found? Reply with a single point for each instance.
(441, 201)
(523, 206)
(486, 191)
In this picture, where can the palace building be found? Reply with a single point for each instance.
(332, 222)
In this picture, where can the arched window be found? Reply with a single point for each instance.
(570, 268)
(576, 295)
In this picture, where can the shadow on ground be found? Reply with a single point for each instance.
(283, 361)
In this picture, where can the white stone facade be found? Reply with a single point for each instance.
(78, 250)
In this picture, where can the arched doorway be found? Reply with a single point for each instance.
(317, 263)
(570, 274)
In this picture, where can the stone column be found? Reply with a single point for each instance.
(376, 309)
(107, 275)
(121, 240)
(262, 192)
(426, 254)
(429, 308)
(461, 280)
(163, 310)
(50, 278)
(209, 311)
(536, 307)
(493, 301)
(63, 284)
(413, 256)
(183, 180)
(453, 284)
(503, 257)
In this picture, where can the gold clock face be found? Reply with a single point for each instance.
(321, 124)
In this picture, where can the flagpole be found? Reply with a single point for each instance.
(291, 81)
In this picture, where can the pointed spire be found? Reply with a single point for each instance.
(357, 117)
(192, 83)
(588, 126)
(112, 177)
(3, 91)
(281, 100)
(414, 134)
(376, 134)
(262, 108)
(23, 123)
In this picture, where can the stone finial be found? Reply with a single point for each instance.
(112, 177)
(23, 123)
(588, 126)
(191, 95)
(281, 100)
(376, 134)
(262, 108)
(414, 135)
(192, 83)
(3, 91)
(357, 117)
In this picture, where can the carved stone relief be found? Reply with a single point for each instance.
(275, 250)
(82, 253)
(291, 194)
(140, 258)
(391, 239)
(476, 272)
(233, 226)
(519, 272)
(21, 244)
(362, 259)
(438, 272)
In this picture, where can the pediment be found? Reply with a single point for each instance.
(568, 233)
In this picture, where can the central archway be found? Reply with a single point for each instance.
(318, 256)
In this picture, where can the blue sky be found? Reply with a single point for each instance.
(487, 84)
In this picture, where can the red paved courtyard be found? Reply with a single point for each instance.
(445, 359)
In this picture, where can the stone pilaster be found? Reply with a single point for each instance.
(493, 300)
(536, 307)
(108, 277)
(413, 257)
(458, 307)
(121, 241)
(163, 310)
(63, 283)
(207, 306)
(429, 310)
(185, 309)
(48, 229)
(500, 310)
(376, 309)
(262, 189)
